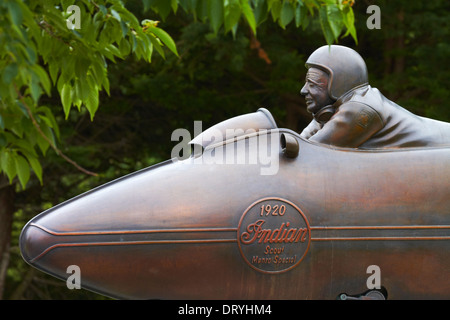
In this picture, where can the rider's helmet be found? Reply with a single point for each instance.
(346, 68)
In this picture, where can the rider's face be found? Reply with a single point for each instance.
(315, 90)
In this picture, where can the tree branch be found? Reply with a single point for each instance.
(256, 45)
(54, 147)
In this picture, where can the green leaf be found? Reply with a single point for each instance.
(66, 98)
(275, 9)
(2, 123)
(349, 21)
(232, 14)
(133, 42)
(249, 15)
(43, 77)
(81, 66)
(51, 120)
(114, 50)
(15, 12)
(203, 10)
(103, 9)
(10, 72)
(42, 142)
(216, 14)
(23, 108)
(81, 89)
(163, 7)
(174, 4)
(335, 20)
(25, 147)
(157, 44)
(54, 70)
(124, 47)
(146, 4)
(8, 165)
(260, 11)
(124, 28)
(165, 38)
(300, 14)
(287, 14)
(105, 85)
(326, 29)
(35, 88)
(23, 170)
(98, 70)
(116, 15)
(36, 166)
(92, 99)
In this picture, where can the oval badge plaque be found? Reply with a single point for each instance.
(273, 235)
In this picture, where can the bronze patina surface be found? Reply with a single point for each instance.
(186, 230)
(266, 213)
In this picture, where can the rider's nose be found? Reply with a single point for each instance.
(303, 91)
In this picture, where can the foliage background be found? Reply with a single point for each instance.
(215, 76)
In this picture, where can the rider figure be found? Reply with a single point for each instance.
(348, 112)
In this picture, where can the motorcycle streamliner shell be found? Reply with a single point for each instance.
(262, 215)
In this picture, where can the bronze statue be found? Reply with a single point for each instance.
(330, 223)
(348, 112)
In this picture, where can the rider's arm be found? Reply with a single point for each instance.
(352, 125)
(311, 129)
